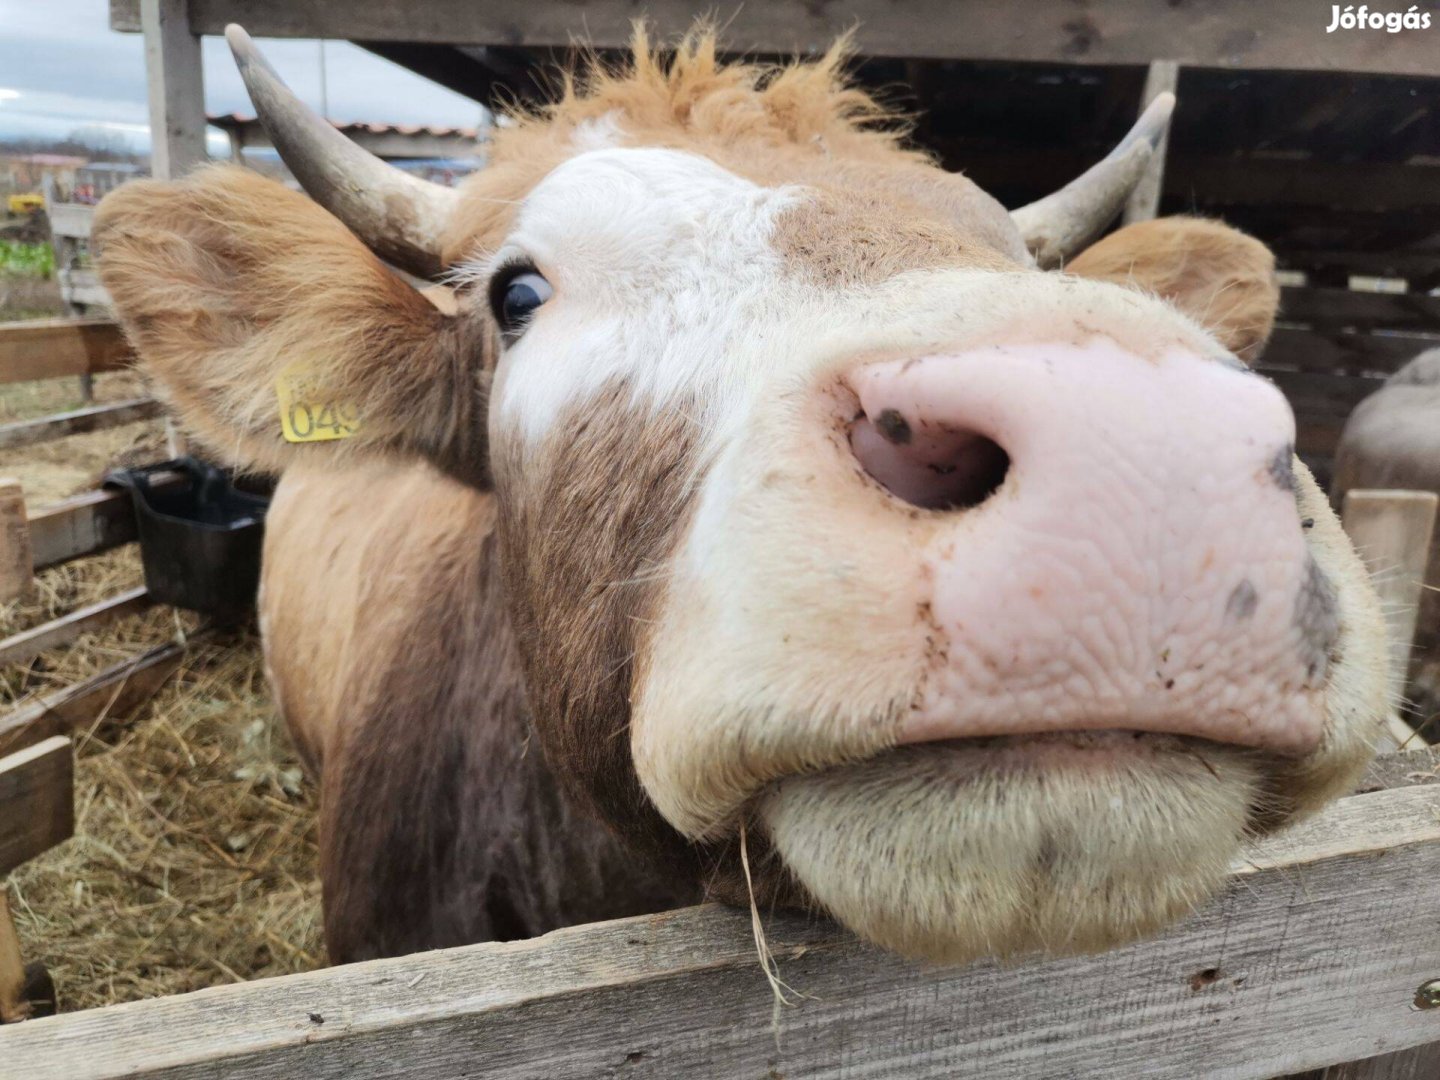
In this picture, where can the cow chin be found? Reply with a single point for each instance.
(949, 852)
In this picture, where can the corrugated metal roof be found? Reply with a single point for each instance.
(229, 120)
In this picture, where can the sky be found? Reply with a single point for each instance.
(63, 69)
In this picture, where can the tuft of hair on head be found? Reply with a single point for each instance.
(690, 87)
(686, 97)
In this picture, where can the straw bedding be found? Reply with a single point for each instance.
(193, 860)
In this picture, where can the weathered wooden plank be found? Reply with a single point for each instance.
(1329, 265)
(1307, 349)
(85, 524)
(1311, 957)
(1259, 188)
(1294, 182)
(176, 88)
(37, 806)
(23, 647)
(1223, 33)
(1144, 202)
(82, 525)
(1361, 311)
(77, 422)
(117, 691)
(1417, 1063)
(1392, 530)
(1416, 764)
(50, 348)
(17, 556)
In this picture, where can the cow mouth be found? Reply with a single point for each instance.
(994, 757)
(1058, 842)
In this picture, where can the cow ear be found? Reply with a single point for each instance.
(246, 300)
(1217, 275)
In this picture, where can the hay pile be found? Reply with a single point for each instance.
(193, 861)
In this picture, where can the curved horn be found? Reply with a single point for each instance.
(1060, 224)
(398, 216)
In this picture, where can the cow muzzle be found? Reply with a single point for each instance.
(1114, 543)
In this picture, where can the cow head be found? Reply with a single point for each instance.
(989, 598)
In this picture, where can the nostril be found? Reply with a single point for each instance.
(930, 465)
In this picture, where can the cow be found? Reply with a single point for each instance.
(762, 514)
(1392, 440)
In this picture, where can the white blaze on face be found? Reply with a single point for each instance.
(661, 262)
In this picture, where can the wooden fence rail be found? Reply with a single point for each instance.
(23, 647)
(1314, 955)
(50, 348)
(76, 422)
(87, 524)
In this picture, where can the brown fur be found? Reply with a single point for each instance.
(840, 238)
(394, 662)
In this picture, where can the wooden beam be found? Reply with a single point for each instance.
(17, 555)
(37, 804)
(1232, 184)
(1414, 765)
(1222, 33)
(88, 523)
(1417, 1063)
(23, 647)
(77, 422)
(176, 88)
(1361, 311)
(1392, 531)
(1420, 268)
(1162, 77)
(1312, 956)
(51, 348)
(1330, 350)
(116, 691)
(492, 75)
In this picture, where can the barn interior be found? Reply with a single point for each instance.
(1328, 152)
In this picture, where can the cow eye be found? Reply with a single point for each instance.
(515, 294)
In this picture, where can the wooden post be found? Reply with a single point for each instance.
(177, 88)
(1392, 531)
(1144, 202)
(37, 800)
(177, 108)
(63, 246)
(17, 560)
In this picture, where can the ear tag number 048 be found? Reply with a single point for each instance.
(308, 416)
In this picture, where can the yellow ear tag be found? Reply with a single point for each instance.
(306, 415)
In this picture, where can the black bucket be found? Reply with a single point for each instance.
(200, 537)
